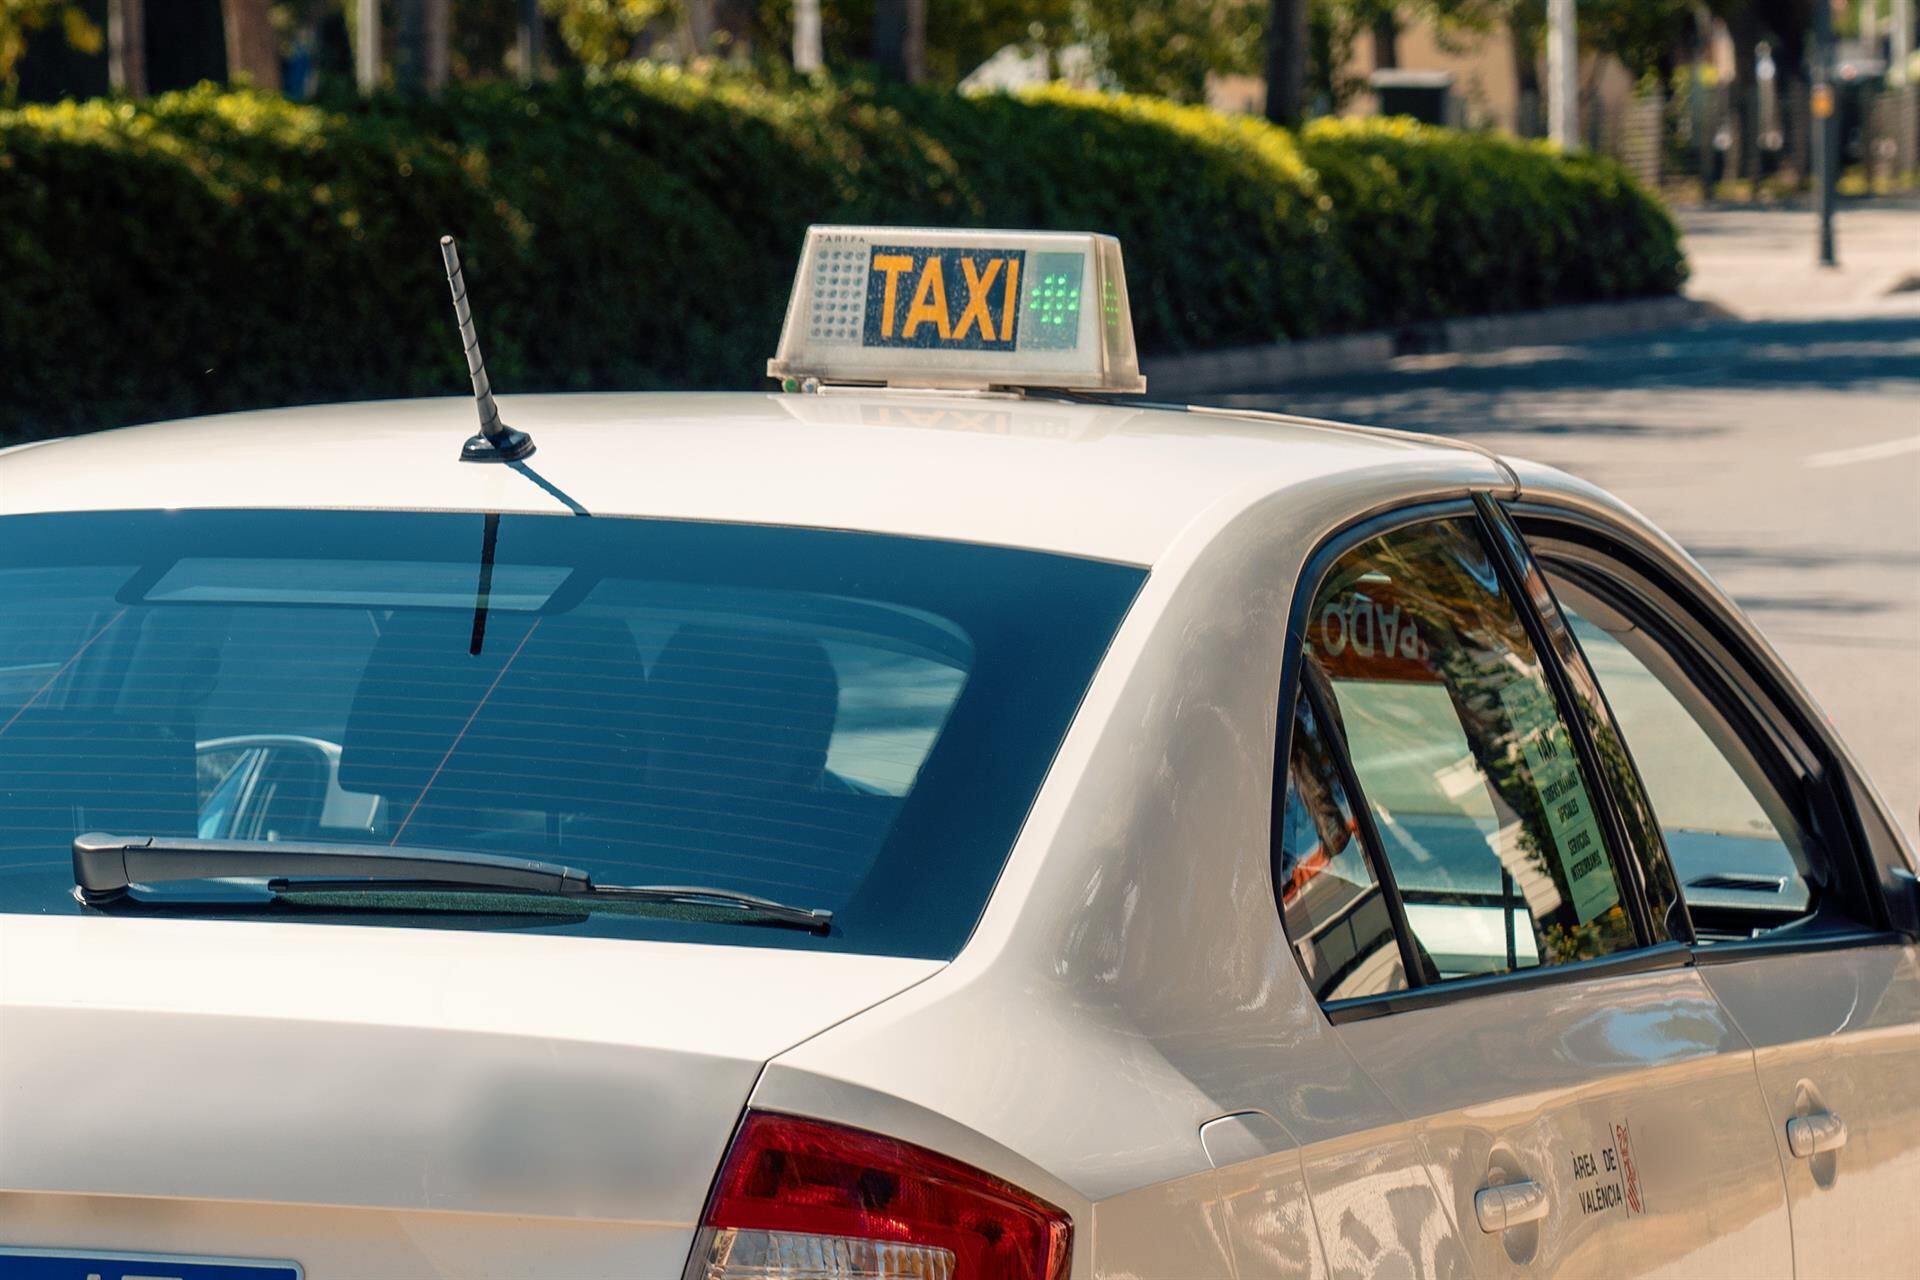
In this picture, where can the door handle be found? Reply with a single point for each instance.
(1514, 1204)
(1821, 1132)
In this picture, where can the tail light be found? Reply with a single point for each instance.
(802, 1200)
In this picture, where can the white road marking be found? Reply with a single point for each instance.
(1865, 453)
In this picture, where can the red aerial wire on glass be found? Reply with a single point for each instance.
(455, 744)
(86, 645)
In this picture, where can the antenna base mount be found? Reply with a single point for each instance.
(511, 447)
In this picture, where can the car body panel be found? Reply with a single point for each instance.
(1643, 1075)
(1832, 1030)
(365, 1080)
(1135, 927)
(1839, 1032)
(439, 1102)
(1111, 483)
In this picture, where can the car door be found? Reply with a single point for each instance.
(1584, 1104)
(1779, 864)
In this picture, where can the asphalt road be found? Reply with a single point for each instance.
(1785, 454)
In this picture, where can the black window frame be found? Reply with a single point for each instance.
(1651, 951)
(1751, 693)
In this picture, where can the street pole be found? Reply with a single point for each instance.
(1563, 74)
(366, 53)
(126, 47)
(1824, 122)
(1702, 122)
(1902, 42)
(807, 57)
(532, 28)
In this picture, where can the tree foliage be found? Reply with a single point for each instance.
(600, 33)
(639, 230)
(1167, 47)
(20, 19)
(961, 34)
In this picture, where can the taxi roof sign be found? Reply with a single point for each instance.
(923, 307)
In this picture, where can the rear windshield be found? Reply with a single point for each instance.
(833, 720)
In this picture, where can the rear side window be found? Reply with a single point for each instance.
(1485, 819)
(832, 720)
(1336, 914)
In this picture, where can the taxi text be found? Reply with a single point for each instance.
(951, 299)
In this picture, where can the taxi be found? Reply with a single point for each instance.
(934, 820)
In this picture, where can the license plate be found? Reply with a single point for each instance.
(75, 1264)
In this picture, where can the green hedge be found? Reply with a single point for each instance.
(1445, 223)
(217, 250)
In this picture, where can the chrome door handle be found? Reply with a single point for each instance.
(1809, 1136)
(1512, 1205)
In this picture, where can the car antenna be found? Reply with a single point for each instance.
(497, 442)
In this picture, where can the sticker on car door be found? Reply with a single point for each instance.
(1604, 1175)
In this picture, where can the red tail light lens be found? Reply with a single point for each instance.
(802, 1200)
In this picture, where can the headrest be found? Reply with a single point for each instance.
(550, 710)
(740, 711)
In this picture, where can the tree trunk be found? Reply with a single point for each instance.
(529, 39)
(700, 26)
(439, 50)
(409, 46)
(127, 47)
(421, 47)
(253, 54)
(1286, 60)
(1744, 105)
(733, 28)
(900, 39)
(1523, 34)
(1386, 41)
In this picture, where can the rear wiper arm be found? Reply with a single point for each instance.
(105, 867)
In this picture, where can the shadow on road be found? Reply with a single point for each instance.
(1804, 557)
(1461, 394)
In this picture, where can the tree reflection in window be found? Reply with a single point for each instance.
(1487, 825)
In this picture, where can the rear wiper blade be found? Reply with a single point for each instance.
(105, 867)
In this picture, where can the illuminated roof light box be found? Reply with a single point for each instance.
(912, 307)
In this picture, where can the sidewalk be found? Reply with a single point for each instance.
(1748, 263)
(1761, 263)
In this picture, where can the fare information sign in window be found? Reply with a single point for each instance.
(1547, 748)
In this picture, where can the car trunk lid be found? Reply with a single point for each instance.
(385, 1073)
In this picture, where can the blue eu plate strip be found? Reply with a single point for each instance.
(67, 1264)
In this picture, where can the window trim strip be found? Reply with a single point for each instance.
(1713, 953)
(1667, 955)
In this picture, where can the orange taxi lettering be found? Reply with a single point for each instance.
(890, 265)
(976, 312)
(929, 303)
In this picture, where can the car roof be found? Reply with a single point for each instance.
(1115, 482)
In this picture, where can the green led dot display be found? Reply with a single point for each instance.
(1053, 301)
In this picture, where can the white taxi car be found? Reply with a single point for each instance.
(917, 830)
